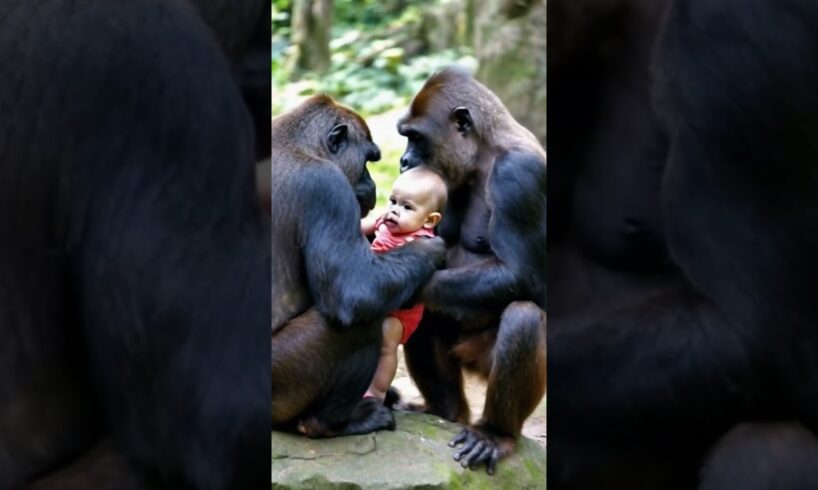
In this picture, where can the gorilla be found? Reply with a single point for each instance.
(134, 258)
(484, 312)
(683, 203)
(330, 291)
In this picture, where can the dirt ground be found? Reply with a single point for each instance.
(534, 427)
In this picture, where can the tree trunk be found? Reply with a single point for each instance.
(312, 20)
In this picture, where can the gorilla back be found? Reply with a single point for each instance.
(134, 274)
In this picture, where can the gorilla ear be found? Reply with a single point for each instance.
(463, 119)
(337, 138)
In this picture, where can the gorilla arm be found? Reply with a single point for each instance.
(348, 282)
(516, 194)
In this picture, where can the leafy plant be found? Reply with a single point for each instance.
(371, 69)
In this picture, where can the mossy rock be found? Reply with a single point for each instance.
(510, 41)
(415, 456)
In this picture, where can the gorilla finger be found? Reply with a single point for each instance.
(483, 456)
(475, 457)
(466, 448)
(468, 459)
(460, 437)
(491, 464)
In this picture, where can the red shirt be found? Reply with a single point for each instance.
(386, 240)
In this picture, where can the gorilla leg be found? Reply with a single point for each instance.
(516, 384)
(763, 457)
(517, 379)
(435, 370)
(322, 395)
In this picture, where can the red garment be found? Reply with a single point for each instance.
(410, 319)
(386, 240)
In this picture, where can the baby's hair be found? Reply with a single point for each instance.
(435, 182)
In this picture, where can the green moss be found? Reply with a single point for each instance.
(473, 480)
(534, 469)
(319, 483)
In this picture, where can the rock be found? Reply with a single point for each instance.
(415, 456)
(510, 43)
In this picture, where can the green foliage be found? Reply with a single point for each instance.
(371, 70)
(373, 89)
(372, 12)
(384, 173)
(280, 43)
(280, 19)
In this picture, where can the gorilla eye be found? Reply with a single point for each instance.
(413, 136)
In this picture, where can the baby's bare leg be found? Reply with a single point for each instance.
(388, 364)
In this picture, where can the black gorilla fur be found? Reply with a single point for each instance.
(683, 348)
(135, 275)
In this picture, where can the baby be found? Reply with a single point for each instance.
(418, 197)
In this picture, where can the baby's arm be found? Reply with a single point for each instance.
(368, 224)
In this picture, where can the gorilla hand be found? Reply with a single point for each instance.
(435, 248)
(481, 445)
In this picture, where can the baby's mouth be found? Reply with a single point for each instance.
(390, 221)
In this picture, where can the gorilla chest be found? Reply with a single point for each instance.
(465, 227)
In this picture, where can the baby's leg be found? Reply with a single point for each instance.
(388, 364)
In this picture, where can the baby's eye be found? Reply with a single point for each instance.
(392, 201)
(407, 207)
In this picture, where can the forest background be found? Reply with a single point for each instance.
(375, 55)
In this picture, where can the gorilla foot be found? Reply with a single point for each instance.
(368, 416)
(481, 445)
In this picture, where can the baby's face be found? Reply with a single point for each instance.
(411, 207)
